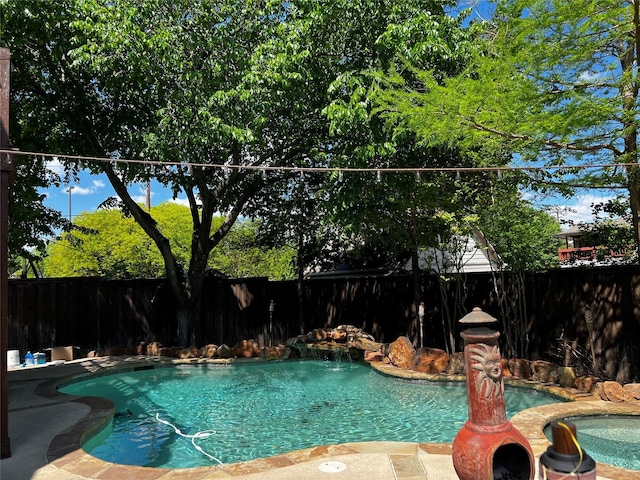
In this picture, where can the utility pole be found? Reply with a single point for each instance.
(69, 188)
(558, 210)
(5, 170)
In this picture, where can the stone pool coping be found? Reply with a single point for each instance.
(66, 459)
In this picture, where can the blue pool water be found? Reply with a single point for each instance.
(267, 409)
(613, 440)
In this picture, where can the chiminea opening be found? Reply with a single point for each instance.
(511, 462)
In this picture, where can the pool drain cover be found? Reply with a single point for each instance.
(332, 467)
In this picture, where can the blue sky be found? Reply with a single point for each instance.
(91, 190)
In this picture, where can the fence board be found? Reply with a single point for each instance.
(89, 312)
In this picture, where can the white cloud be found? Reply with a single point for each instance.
(54, 165)
(78, 190)
(580, 209)
(180, 201)
(590, 77)
(141, 195)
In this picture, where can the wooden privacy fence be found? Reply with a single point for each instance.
(92, 313)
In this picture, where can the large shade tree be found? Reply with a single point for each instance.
(557, 81)
(200, 84)
(372, 220)
(146, 79)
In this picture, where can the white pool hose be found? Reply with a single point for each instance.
(202, 434)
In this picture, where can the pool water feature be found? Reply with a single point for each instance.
(242, 412)
(613, 440)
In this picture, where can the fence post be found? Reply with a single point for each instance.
(5, 169)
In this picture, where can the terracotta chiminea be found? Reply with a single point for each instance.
(487, 446)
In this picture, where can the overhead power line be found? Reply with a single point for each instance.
(263, 168)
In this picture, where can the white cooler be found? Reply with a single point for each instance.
(13, 358)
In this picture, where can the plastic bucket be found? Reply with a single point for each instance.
(39, 358)
(13, 358)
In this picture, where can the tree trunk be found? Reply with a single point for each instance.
(175, 275)
(195, 290)
(417, 294)
(634, 203)
(300, 286)
(629, 93)
(183, 323)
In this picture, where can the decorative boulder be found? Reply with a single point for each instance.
(141, 348)
(365, 344)
(631, 392)
(370, 356)
(208, 351)
(456, 364)
(273, 352)
(153, 349)
(430, 360)
(611, 391)
(318, 335)
(585, 383)
(566, 377)
(224, 351)
(246, 349)
(354, 332)
(544, 372)
(402, 353)
(520, 368)
(506, 371)
(338, 335)
(191, 352)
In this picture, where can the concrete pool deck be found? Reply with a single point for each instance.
(46, 430)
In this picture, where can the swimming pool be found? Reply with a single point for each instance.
(166, 417)
(613, 440)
